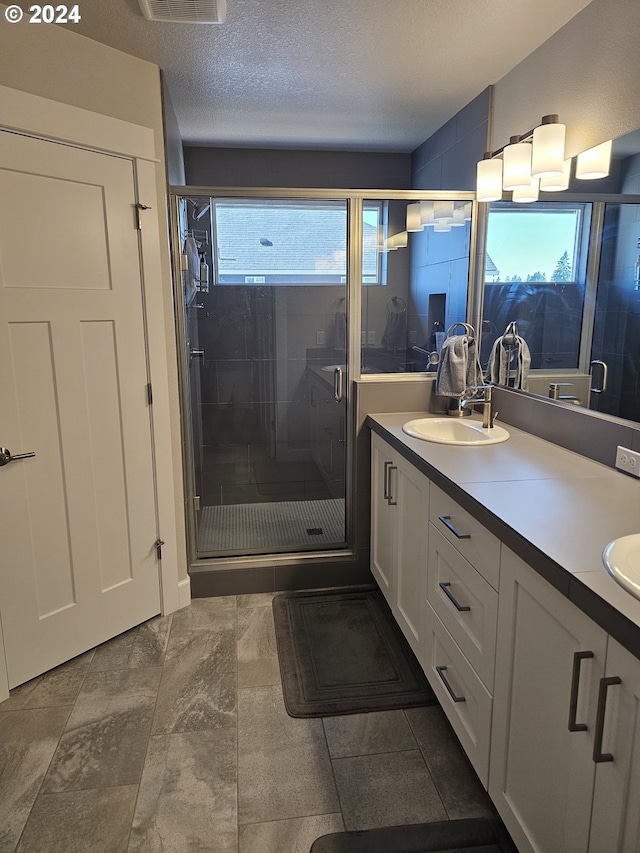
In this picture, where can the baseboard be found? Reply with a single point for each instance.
(184, 593)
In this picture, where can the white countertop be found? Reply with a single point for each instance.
(566, 506)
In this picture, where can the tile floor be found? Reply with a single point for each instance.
(173, 737)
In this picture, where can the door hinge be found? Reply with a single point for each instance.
(149, 393)
(158, 546)
(196, 503)
(140, 207)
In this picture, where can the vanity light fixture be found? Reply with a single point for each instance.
(516, 164)
(489, 178)
(557, 183)
(547, 156)
(414, 219)
(535, 161)
(427, 213)
(458, 219)
(443, 210)
(594, 163)
(527, 194)
(396, 241)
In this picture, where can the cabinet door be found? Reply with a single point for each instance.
(382, 518)
(412, 530)
(541, 774)
(615, 821)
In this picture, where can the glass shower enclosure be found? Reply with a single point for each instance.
(265, 344)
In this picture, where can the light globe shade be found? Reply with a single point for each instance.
(444, 210)
(398, 241)
(547, 157)
(458, 216)
(489, 180)
(427, 213)
(594, 163)
(414, 220)
(516, 168)
(527, 194)
(557, 183)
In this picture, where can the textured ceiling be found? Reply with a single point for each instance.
(357, 74)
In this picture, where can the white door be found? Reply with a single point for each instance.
(78, 520)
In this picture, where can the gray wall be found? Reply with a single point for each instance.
(447, 160)
(173, 142)
(253, 167)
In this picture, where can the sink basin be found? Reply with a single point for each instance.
(621, 559)
(449, 431)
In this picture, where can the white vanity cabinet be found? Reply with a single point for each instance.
(554, 715)
(615, 819)
(545, 703)
(399, 534)
(460, 618)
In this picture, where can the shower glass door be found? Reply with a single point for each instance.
(266, 333)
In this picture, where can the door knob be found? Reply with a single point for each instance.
(6, 457)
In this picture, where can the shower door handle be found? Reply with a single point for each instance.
(337, 384)
(6, 456)
(605, 371)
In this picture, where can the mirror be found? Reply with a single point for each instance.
(415, 272)
(565, 271)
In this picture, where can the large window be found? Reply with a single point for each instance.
(534, 244)
(535, 276)
(288, 242)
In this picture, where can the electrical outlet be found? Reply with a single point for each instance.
(319, 339)
(371, 337)
(628, 461)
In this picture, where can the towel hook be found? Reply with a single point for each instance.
(394, 301)
(471, 332)
(510, 336)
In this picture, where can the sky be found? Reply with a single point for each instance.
(523, 242)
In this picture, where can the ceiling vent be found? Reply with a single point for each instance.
(185, 11)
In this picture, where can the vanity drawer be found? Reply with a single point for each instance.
(464, 698)
(475, 542)
(466, 604)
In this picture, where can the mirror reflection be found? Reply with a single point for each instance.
(415, 272)
(564, 276)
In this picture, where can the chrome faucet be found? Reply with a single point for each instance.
(554, 393)
(488, 416)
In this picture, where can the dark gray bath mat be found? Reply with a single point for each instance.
(341, 652)
(476, 835)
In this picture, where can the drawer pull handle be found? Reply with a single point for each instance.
(444, 586)
(578, 657)
(386, 480)
(446, 520)
(598, 755)
(441, 671)
(390, 499)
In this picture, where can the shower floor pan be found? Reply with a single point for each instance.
(266, 527)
